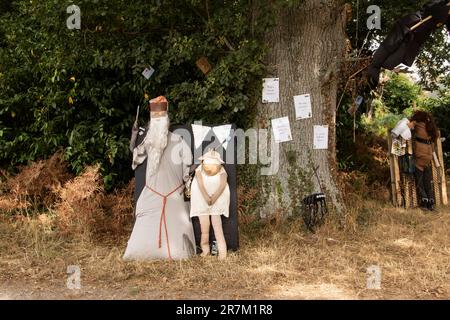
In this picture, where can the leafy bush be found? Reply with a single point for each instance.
(79, 89)
(440, 108)
(400, 93)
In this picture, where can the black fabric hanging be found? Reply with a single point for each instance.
(402, 45)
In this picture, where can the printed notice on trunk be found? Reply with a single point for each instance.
(281, 129)
(302, 105)
(271, 90)
(320, 137)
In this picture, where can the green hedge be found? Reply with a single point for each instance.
(79, 89)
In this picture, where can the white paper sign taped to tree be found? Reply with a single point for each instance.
(271, 90)
(302, 105)
(320, 137)
(281, 129)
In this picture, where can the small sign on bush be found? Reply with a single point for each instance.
(203, 64)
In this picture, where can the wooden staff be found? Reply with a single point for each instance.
(418, 24)
(394, 174)
(137, 114)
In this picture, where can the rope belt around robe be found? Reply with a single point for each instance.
(163, 219)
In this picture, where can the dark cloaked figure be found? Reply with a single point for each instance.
(425, 135)
(402, 45)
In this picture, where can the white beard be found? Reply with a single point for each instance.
(159, 128)
(156, 142)
(153, 145)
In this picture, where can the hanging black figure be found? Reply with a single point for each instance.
(405, 41)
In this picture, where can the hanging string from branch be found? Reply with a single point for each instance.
(358, 58)
(357, 23)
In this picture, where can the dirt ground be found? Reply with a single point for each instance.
(411, 248)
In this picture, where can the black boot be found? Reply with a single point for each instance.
(424, 203)
(430, 205)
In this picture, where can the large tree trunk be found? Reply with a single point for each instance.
(306, 48)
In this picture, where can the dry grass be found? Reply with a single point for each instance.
(412, 249)
(82, 225)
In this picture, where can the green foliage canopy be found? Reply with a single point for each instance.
(400, 92)
(79, 89)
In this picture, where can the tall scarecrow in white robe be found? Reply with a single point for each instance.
(163, 229)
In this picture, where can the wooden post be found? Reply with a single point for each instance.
(397, 198)
(406, 191)
(391, 161)
(443, 180)
(436, 184)
(414, 193)
(397, 182)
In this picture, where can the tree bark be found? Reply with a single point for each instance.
(305, 50)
